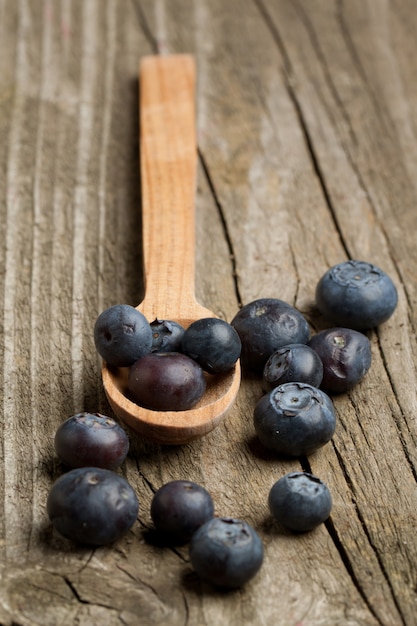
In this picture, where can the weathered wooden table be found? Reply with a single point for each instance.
(307, 125)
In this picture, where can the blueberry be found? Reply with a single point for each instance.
(92, 506)
(179, 507)
(226, 552)
(213, 343)
(296, 362)
(346, 357)
(91, 439)
(356, 294)
(300, 501)
(166, 336)
(122, 335)
(294, 419)
(265, 325)
(166, 381)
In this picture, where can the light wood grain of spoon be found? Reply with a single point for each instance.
(168, 160)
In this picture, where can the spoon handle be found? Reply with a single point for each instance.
(168, 158)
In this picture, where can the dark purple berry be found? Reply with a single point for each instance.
(296, 362)
(226, 552)
(166, 336)
(356, 294)
(300, 501)
(122, 335)
(346, 357)
(166, 381)
(93, 506)
(213, 343)
(179, 507)
(265, 325)
(91, 440)
(294, 419)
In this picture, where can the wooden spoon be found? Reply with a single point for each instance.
(168, 159)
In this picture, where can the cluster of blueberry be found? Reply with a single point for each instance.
(296, 416)
(166, 362)
(224, 551)
(93, 504)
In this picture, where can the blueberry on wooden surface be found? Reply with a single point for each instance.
(122, 335)
(92, 506)
(166, 381)
(213, 343)
(166, 336)
(226, 552)
(91, 439)
(265, 325)
(294, 419)
(300, 501)
(356, 294)
(179, 507)
(346, 356)
(295, 362)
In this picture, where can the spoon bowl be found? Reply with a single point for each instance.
(168, 160)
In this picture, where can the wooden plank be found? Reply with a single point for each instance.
(306, 124)
(361, 162)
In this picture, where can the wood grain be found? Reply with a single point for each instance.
(306, 129)
(168, 165)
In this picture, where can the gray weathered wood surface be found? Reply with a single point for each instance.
(307, 127)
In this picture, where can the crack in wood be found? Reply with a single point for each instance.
(289, 84)
(371, 544)
(396, 397)
(143, 23)
(223, 221)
